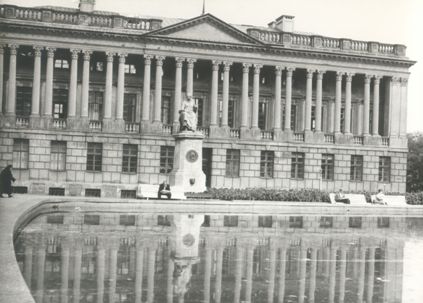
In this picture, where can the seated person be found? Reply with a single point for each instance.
(164, 190)
(380, 197)
(340, 197)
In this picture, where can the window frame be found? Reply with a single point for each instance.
(95, 105)
(297, 166)
(94, 155)
(267, 164)
(328, 167)
(356, 168)
(20, 154)
(129, 158)
(233, 163)
(58, 162)
(384, 170)
(167, 153)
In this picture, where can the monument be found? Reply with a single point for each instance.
(188, 158)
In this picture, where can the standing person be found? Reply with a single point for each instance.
(6, 179)
(340, 197)
(164, 190)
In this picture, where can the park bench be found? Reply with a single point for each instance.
(355, 199)
(391, 200)
(149, 191)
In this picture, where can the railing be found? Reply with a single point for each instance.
(234, 133)
(59, 123)
(331, 43)
(329, 138)
(95, 125)
(22, 121)
(203, 130)
(302, 40)
(385, 141)
(358, 140)
(64, 17)
(131, 127)
(267, 134)
(166, 128)
(102, 21)
(299, 137)
(135, 23)
(28, 14)
(360, 46)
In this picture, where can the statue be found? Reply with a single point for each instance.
(188, 115)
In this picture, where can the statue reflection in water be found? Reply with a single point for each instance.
(188, 115)
(185, 253)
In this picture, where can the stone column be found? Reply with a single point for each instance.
(303, 268)
(366, 109)
(249, 278)
(218, 281)
(403, 116)
(282, 269)
(112, 270)
(150, 277)
(178, 91)
(244, 96)
(207, 274)
(313, 268)
(121, 87)
(225, 105)
(139, 273)
(342, 274)
(288, 98)
(272, 273)
(371, 274)
(101, 259)
(11, 98)
(85, 84)
(309, 92)
(214, 92)
(332, 275)
(109, 87)
(256, 96)
(146, 89)
(64, 273)
(347, 127)
(36, 83)
(238, 273)
(28, 263)
(190, 76)
(319, 96)
(77, 274)
(48, 105)
(338, 104)
(41, 261)
(277, 106)
(72, 83)
(375, 128)
(158, 90)
(2, 46)
(361, 275)
(170, 270)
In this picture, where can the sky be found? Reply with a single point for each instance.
(386, 21)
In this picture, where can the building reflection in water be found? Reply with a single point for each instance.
(115, 257)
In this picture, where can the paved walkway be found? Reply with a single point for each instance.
(14, 211)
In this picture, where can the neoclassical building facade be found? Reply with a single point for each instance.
(90, 100)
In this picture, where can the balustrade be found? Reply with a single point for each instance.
(62, 17)
(22, 121)
(358, 140)
(59, 123)
(203, 130)
(234, 133)
(360, 46)
(385, 141)
(167, 129)
(95, 125)
(301, 40)
(299, 137)
(331, 43)
(102, 21)
(28, 14)
(329, 138)
(131, 127)
(267, 134)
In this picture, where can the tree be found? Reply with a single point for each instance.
(415, 162)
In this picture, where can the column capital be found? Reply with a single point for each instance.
(110, 56)
(257, 68)
(227, 65)
(320, 73)
(50, 52)
(339, 75)
(122, 57)
(278, 70)
(191, 62)
(74, 53)
(87, 54)
(377, 77)
(395, 79)
(159, 60)
(246, 67)
(37, 50)
(367, 78)
(216, 64)
(147, 59)
(349, 76)
(13, 48)
(289, 71)
(404, 81)
(310, 73)
(179, 61)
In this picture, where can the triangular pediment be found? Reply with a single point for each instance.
(205, 28)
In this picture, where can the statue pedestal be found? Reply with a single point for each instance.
(187, 164)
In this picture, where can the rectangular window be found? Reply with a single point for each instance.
(313, 117)
(266, 163)
(355, 222)
(297, 165)
(356, 171)
(293, 115)
(265, 221)
(163, 220)
(56, 191)
(95, 106)
(296, 222)
(94, 156)
(20, 153)
(61, 64)
(55, 219)
(92, 219)
(60, 103)
(342, 120)
(326, 222)
(233, 157)
(230, 221)
(166, 110)
(383, 222)
(58, 155)
(206, 222)
(166, 159)
(385, 169)
(262, 118)
(130, 69)
(93, 192)
(231, 113)
(98, 66)
(328, 166)
(127, 220)
(129, 107)
(200, 110)
(23, 101)
(129, 158)
(128, 194)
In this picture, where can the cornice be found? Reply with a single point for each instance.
(143, 38)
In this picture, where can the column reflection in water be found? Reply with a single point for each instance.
(179, 260)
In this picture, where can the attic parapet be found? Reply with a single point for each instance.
(92, 19)
(288, 39)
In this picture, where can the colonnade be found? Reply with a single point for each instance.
(371, 82)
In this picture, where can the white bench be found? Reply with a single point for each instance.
(147, 191)
(355, 199)
(391, 200)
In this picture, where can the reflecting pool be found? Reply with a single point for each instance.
(149, 257)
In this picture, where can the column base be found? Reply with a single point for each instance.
(340, 138)
(319, 137)
(309, 136)
(287, 135)
(35, 122)
(277, 134)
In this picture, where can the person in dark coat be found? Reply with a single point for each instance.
(164, 190)
(6, 179)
